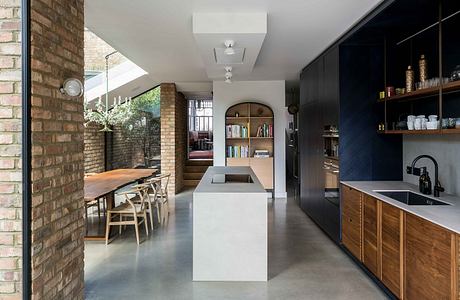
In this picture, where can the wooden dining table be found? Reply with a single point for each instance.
(104, 185)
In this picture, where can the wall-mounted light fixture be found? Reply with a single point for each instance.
(229, 47)
(72, 87)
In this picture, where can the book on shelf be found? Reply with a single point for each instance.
(236, 131)
(265, 130)
(237, 151)
(261, 153)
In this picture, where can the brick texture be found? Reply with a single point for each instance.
(173, 124)
(57, 35)
(94, 152)
(127, 149)
(10, 151)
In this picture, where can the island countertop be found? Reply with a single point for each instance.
(447, 216)
(206, 185)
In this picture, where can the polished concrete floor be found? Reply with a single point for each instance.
(303, 263)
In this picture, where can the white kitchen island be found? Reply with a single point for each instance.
(230, 226)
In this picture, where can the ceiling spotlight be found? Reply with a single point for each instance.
(228, 74)
(72, 87)
(229, 47)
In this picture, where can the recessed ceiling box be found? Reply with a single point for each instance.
(212, 30)
(223, 59)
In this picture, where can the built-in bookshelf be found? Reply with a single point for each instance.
(249, 132)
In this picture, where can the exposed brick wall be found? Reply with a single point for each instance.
(128, 148)
(10, 151)
(173, 124)
(57, 29)
(94, 152)
(95, 51)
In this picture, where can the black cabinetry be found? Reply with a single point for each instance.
(319, 107)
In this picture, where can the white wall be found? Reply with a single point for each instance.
(445, 149)
(271, 93)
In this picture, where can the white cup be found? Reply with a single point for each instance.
(433, 118)
(424, 121)
(418, 124)
(410, 125)
(410, 118)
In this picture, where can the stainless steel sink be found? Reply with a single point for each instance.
(410, 198)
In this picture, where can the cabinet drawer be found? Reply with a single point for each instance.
(351, 201)
(351, 234)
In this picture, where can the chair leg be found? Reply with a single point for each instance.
(98, 209)
(167, 211)
(136, 227)
(119, 227)
(158, 212)
(151, 215)
(145, 223)
(107, 228)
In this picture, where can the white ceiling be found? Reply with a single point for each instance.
(157, 35)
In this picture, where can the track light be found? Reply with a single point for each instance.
(229, 47)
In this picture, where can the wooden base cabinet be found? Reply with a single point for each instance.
(430, 259)
(371, 234)
(414, 258)
(392, 248)
(351, 221)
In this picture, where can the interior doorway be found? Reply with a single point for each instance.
(200, 137)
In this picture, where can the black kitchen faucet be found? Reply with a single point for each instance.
(424, 182)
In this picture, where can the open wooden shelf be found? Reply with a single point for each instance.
(421, 132)
(423, 93)
(252, 115)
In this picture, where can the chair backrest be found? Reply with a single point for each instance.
(164, 179)
(140, 190)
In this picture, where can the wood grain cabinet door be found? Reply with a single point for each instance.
(429, 260)
(371, 234)
(392, 248)
(351, 220)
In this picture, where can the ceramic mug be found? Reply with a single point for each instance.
(432, 118)
(424, 121)
(418, 124)
(410, 125)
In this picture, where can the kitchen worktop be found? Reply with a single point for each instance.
(447, 216)
(207, 186)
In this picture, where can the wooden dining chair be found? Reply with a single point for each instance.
(151, 200)
(129, 212)
(162, 181)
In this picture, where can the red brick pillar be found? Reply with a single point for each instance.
(173, 135)
(57, 232)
